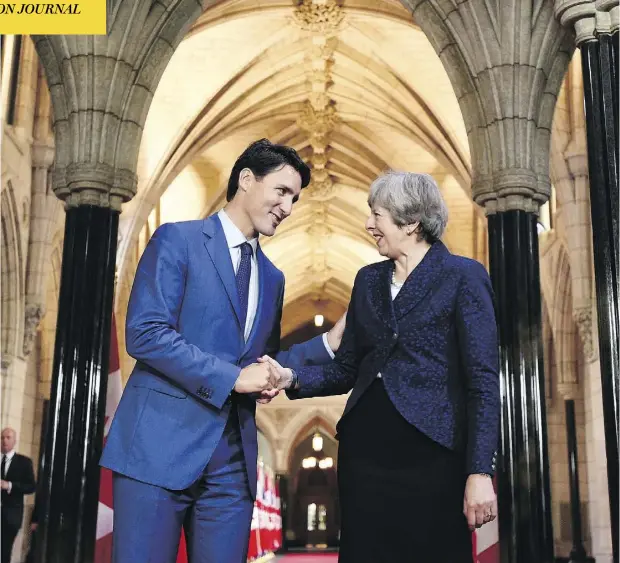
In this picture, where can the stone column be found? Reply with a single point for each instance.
(596, 26)
(523, 482)
(101, 88)
(506, 62)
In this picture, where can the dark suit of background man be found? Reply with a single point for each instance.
(17, 481)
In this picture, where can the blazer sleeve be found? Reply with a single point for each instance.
(152, 319)
(25, 483)
(478, 349)
(337, 377)
(309, 353)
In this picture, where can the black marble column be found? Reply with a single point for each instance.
(526, 534)
(578, 553)
(282, 481)
(70, 480)
(600, 80)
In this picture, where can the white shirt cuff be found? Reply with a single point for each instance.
(328, 347)
(10, 487)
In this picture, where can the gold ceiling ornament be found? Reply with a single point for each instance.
(319, 227)
(323, 47)
(319, 160)
(317, 123)
(319, 100)
(320, 21)
(319, 16)
(321, 76)
(321, 187)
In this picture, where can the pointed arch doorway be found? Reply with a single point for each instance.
(314, 509)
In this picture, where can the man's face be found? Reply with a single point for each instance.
(8, 440)
(270, 200)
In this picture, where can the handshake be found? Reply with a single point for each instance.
(264, 379)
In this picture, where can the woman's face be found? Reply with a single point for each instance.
(390, 238)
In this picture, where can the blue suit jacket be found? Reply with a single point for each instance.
(435, 346)
(183, 329)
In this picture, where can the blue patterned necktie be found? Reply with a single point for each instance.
(242, 278)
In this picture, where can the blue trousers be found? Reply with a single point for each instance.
(215, 512)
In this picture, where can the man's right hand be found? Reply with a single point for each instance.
(255, 378)
(282, 377)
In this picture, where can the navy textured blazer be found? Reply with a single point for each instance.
(435, 346)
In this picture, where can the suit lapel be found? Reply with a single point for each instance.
(217, 249)
(424, 277)
(380, 295)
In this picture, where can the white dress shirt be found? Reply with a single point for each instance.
(394, 289)
(7, 464)
(235, 238)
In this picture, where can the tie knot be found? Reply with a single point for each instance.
(246, 249)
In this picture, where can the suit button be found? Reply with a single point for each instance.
(394, 336)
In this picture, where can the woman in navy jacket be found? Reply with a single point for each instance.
(419, 433)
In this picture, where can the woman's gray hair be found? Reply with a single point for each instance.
(411, 198)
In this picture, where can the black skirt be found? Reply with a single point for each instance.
(401, 493)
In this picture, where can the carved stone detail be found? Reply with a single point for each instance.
(94, 184)
(322, 186)
(323, 48)
(320, 21)
(34, 314)
(318, 16)
(319, 227)
(318, 124)
(588, 17)
(583, 320)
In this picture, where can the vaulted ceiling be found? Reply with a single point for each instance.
(354, 86)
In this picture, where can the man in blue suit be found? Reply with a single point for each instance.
(206, 303)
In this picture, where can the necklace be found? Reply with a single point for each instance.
(394, 282)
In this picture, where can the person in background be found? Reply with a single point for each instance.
(16, 480)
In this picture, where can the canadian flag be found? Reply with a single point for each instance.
(105, 513)
(103, 546)
(486, 543)
(277, 534)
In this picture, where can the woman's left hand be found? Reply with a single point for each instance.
(480, 502)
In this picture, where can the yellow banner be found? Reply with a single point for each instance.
(86, 17)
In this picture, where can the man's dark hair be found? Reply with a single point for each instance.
(263, 157)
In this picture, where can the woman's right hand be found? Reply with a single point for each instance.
(282, 377)
(480, 502)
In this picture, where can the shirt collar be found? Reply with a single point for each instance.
(9, 455)
(234, 236)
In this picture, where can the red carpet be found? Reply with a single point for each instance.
(308, 558)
